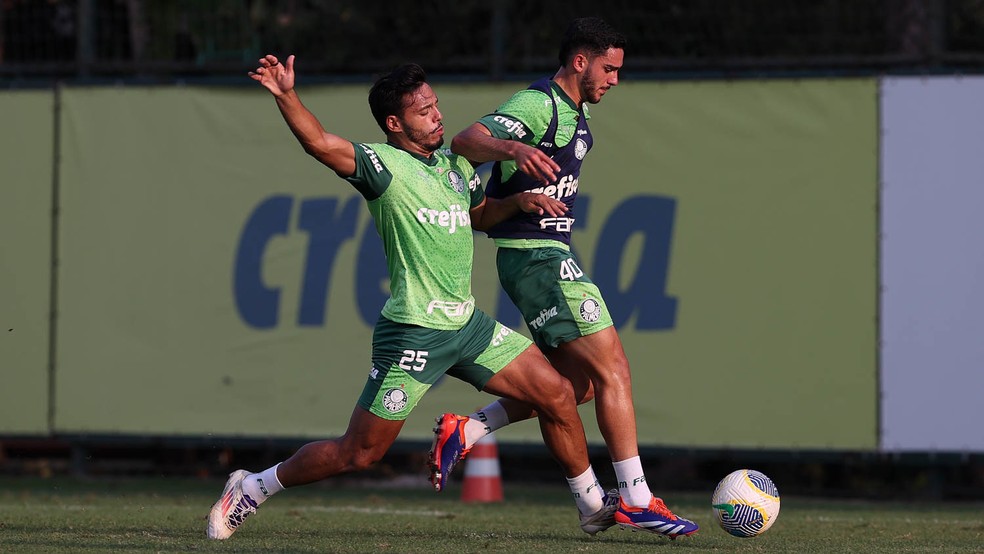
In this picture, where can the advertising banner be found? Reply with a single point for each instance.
(26, 158)
(216, 280)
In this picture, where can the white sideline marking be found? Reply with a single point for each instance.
(63, 507)
(362, 510)
(352, 509)
(839, 520)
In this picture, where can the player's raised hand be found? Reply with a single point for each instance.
(277, 77)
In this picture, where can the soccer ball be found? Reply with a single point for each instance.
(745, 503)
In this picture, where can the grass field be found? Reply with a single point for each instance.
(167, 515)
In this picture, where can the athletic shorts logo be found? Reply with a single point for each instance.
(543, 316)
(590, 310)
(456, 180)
(580, 149)
(395, 400)
(500, 337)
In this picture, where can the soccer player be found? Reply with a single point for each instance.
(424, 201)
(538, 139)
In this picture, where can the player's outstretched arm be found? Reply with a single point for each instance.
(477, 144)
(493, 210)
(331, 150)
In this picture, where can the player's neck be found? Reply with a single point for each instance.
(403, 143)
(568, 82)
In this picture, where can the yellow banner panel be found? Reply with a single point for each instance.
(217, 280)
(26, 158)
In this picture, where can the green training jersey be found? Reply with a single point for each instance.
(525, 117)
(421, 210)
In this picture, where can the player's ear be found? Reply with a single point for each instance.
(580, 62)
(393, 124)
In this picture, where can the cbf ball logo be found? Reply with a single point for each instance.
(580, 149)
(395, 400)
(456, 180)
(590, 310)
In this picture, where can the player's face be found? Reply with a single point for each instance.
(601, 75)
(422, 120)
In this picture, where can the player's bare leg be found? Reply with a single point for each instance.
(531, 380)
(597, 367)
(600, 357)
(598, 370)
(364, 443)
(366, 440)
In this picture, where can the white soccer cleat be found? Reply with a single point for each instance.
(603, 518)
(231, 509)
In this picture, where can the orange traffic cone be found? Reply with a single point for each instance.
(483, 481)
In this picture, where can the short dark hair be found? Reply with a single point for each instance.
(388, 95)
(589, 33)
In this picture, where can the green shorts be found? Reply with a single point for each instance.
(408, 359)
(558, 301)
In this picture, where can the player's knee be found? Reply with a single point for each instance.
(615, 374)
(364, 458)
(585, 394)
(355, 455)
(583, 388)
(557, 399)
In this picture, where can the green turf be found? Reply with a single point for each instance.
(167, 515)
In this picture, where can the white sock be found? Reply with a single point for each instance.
(587, 492)
(262, 485)
(632, 482)
(485, 421)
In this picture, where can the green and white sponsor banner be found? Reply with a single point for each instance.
(26, 157)
(216, 280)
(932, 308)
